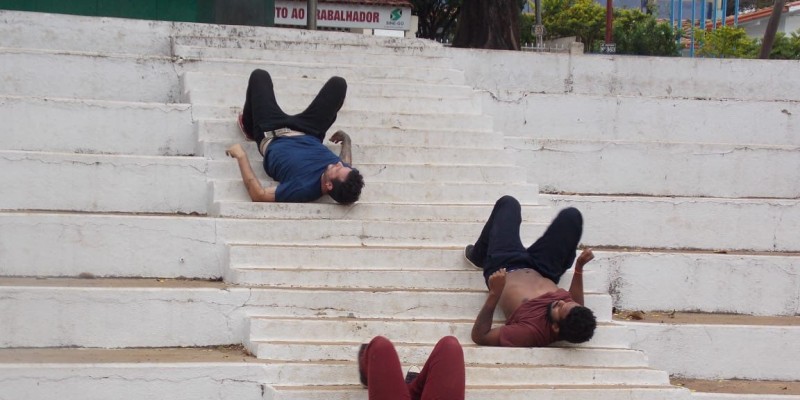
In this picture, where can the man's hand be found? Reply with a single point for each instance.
(236, 151)
(585, 257)
(340, 137)
(497, 282)
(345, 154)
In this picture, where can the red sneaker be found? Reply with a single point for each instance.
(246, 134)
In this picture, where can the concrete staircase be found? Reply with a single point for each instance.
(114, 167)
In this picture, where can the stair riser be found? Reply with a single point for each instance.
(717, 283)
(757, 225)
(228, 131)
(408, 304)
(769, 352)
(389, 192)
(659, 169)
(347, 331)
(667, 393)
(387, 120)
(369, 211)
(649, 119)
(416, 355)
(235, 85)
(294, 374)
(420, 173)
(411, 280)
(88, 77)
(357, 232)
(295, 104)
(125, 381)
(116, 317)
(368, 153)
(46, 124)
(97, 183)
(318, 71)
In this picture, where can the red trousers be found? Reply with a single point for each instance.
(442, 377)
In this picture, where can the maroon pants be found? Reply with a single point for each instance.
(442, 377)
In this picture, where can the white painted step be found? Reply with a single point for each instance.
(307, 51)
(64, 244)
(132, 381)
(742, 396)
(349, 333)
(368, 233)
(372, 154)
(294, 103)
(248, 37)
(28, 30)
(351, 72)
(362, 210)
(89, 182)
(499, 392)
(50, 124)
(416, 353)
(89, 313)
(376, 303)
(437, 279)
(661, 169)
(753, 284)
(331, 373)
(377, 135)
(635, 118)
(621, 76)
(51, 314)
(299, 54)
(685, 222)
(88, 76)
(386, 120)
(232, 87)
(761, 352)
(405, 192)
(395, 172)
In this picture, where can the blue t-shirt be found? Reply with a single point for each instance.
(297, 163)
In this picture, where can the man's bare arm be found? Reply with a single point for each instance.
(576, 287)
(345, 154)
(482, 332)
(254, 188)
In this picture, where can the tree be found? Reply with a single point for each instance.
(725, 42)
(488, 24)
(638, 33)
(436, 17)
(584, 19)
(786, 47)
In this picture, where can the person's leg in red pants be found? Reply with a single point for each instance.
(442, 377)
(382, 369)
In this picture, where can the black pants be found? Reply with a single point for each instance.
(500, 246)
(262, 113)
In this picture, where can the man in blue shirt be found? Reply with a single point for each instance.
(292, 146)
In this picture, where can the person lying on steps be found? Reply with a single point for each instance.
(292, 146)
(523, 280)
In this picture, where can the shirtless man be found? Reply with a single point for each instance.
(523, 281)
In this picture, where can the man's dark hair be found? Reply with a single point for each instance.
(349, 190)
(578, 326)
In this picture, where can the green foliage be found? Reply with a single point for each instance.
(638, 33)
(526, 22)
(725, 42)
(584, 19)
(786, 47)
(436, 17)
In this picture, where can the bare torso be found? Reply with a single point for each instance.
(521, 286)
